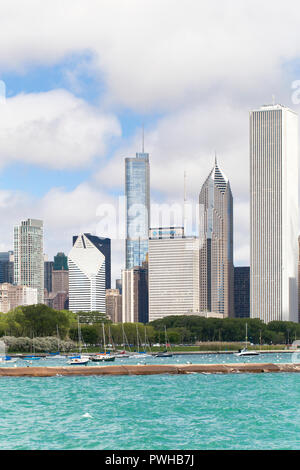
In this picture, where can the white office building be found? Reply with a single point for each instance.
(173, 273)
(274, 213)
(86, 277)
(29, 256)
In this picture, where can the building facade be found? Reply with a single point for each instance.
(274, 213)
(137, 192)
(242, 291)
(14, 296)
(135, 294)
(86, 276)
(48, 267)
(114, 305)
(7, 267)
(216, 273)
(29, 256)
(104, 246)
(173, 274)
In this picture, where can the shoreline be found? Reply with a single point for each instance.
(148, 369)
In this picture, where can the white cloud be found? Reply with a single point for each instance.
(53, 129)
(156, 55)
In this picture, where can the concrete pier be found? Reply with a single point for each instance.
(147, 369)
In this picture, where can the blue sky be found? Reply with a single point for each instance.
(83, 76)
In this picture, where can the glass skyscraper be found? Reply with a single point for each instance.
(137, 192)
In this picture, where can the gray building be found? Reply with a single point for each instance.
(216, 274)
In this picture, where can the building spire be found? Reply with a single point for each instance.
(143, 138)
(216, 158)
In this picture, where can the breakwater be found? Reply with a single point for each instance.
(148, 369)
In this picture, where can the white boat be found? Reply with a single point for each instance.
(79, 359)
(244, 351)
(8, 359)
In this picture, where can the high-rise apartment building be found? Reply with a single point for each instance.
(104, 246)
(29, 256)
(137, 192)
(274, 213)
(216, 273)
(86, 276)
(173, 273)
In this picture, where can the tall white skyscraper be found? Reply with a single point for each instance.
(173, 274)
(29, 256)
(86, 276)
(274, 213)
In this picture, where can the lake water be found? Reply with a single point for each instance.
(194, 411)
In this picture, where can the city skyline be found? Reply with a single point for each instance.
(188, 112)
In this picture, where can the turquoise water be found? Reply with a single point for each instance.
(195, 411)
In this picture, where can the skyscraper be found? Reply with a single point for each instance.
(137, 192)
(104, 246)
(173, 273)
(29, 256)
(135, 294)
(242, 291)
(86, 276)
(216, 273)
(48, 267)
(7, 267)
(274, 213)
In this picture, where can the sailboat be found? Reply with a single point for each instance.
(123, 354)
(244, 351)
(57, 354)
(165, 353)
(32, 357)
(103, 356)
(79, 359)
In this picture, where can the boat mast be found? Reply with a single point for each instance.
(79, 336)
(246, 335)
(104, 338)
(137, 338)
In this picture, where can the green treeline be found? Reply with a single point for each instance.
(41, 321)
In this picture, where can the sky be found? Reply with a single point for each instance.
(80, 78)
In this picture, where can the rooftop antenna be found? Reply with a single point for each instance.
(143, 139)
(184, 201)
(273, 100)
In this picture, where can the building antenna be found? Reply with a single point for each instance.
(273, 100)
(143, 139)
(184, 200)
